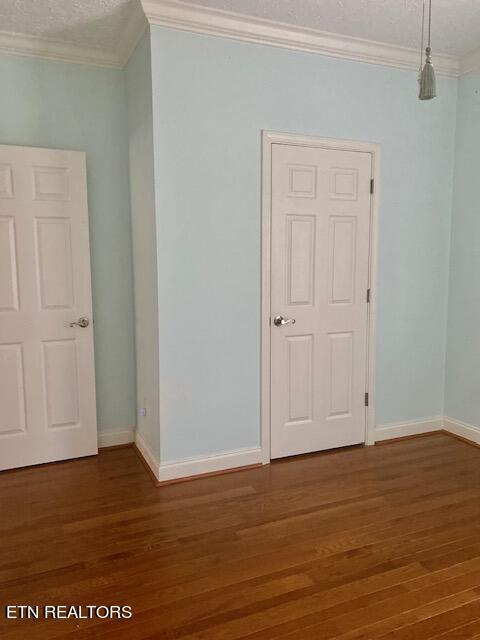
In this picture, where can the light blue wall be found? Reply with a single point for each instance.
(138, 82)
(212, 98)
(69, 106)
(462, 389)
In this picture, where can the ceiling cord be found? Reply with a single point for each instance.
(423, 33)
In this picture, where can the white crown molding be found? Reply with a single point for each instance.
(132, 34)
(470, 62)
(226, 24)
(196, 19)
(53, 49)
(39, 47)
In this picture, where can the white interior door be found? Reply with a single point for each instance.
(47, 379)
(319, 281)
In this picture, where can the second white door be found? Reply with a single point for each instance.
(320, 271)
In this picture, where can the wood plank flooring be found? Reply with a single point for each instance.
(366, 543)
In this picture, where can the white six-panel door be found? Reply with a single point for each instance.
(47, 380)
(320, 226)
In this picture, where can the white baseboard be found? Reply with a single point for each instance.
(147, 455)
(462, 429)
(428, 425)
(411, 428)
(179, 469)
(114, 438)
(209, 464)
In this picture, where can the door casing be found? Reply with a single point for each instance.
(268, 139)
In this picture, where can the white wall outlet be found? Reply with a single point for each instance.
(143, 412)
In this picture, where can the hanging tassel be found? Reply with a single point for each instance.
(428, 86)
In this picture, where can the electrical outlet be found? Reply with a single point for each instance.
(143, 412)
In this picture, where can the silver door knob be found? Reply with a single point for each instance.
(81, 322)
(280, 321)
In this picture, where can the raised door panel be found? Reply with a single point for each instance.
(300, 379)
(342, 244)
(51, 183)
(340, 374)
(61, 383)
(8, 265)
(54, 255)
(6, 181)
(343, 183)
(302, 181)
(300, 259)
(12, 389)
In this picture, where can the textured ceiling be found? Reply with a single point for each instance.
(455, 27)
(90, 23)
(101, 23)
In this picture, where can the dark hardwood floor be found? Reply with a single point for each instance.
(378, 542)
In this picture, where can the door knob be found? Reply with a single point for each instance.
(280, 321)
(81, 322)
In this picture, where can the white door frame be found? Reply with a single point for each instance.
(268, 139)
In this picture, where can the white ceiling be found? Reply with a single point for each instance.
(103, 24)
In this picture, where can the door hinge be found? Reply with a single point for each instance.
(368, 295)
(366, 399)
(372, 185)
